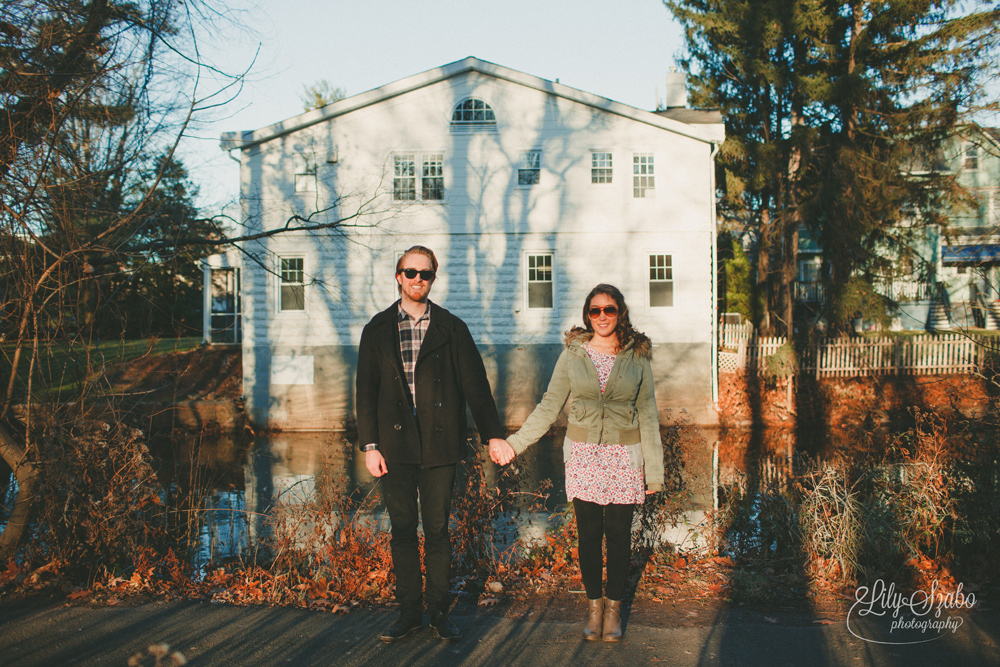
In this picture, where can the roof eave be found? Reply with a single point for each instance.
(709, 133)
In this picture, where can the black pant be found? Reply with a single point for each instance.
(593, 523)
(401, 486)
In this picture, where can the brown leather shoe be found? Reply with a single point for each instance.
(612, 621)
(595, 620)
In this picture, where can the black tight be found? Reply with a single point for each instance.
(593, 523)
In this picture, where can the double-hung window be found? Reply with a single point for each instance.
(540, 284)
(643, 179)
(292, 292)
(661, 281)
(405, 175)
(600, 167)
(432, 176)
(971, 156)
(529, 168)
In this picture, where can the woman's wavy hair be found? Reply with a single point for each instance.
(625, 331)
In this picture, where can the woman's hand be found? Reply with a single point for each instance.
(650, 492)
(501, 452)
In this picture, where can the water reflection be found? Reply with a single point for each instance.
(238, 484)
(247, 482)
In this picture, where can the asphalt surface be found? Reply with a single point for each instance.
(33, 634)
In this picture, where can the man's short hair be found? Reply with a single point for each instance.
(418, 250)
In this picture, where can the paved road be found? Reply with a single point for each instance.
(34, 634)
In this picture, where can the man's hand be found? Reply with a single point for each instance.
(375, 463)
(501, 452)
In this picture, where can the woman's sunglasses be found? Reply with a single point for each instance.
(412, 273)
(595, 311)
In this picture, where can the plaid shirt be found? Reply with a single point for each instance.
(411, 337)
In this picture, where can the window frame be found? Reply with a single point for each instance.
(596, 167)
(643, 189)
(399, 177)
(425, 160)
(418, 161)
(468, 126)
(308, 181)
(306, 175)
(281, 284)
(975, 158)
(526, 168)
(670, 280)
(528, 282)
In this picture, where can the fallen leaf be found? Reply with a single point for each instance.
(76, 595)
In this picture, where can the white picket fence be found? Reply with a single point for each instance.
(925, 354)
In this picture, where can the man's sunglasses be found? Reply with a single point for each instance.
(595, 311)
(412, 273)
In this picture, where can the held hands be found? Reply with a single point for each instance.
(500, 452)
(375, 463)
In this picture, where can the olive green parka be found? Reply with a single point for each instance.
(624, 414)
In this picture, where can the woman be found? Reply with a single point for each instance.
(612, 448)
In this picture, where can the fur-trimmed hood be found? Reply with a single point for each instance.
(641, 345)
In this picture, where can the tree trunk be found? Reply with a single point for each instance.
(764, 269)
(26, 474)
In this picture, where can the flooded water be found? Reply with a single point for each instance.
(239, 483)
(249, 479)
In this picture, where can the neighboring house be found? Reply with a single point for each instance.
(530, 193)
(970, 247)
(953, 282)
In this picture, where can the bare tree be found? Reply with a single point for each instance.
(95, 96)
(90, 91)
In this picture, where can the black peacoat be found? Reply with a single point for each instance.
(449, 373)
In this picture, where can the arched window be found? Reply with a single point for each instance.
(473, 115)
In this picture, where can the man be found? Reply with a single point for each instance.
(417, 368)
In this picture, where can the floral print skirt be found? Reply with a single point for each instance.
(602, 474)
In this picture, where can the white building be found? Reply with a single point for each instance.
(529, 192)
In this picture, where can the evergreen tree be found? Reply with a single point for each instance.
(828, 106)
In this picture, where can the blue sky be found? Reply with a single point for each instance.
(621, 49)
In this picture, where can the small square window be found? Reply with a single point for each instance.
(643, 182)
(540, 281)
(305, 182)
(529, 168)
(661, 281)
(600, 167)
(293, 289)
(404, 178)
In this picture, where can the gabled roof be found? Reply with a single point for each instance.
(708, 133)
(992, 132)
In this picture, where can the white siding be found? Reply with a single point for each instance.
(486, 222)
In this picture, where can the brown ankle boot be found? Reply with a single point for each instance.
(595, 620)
(612, 620)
